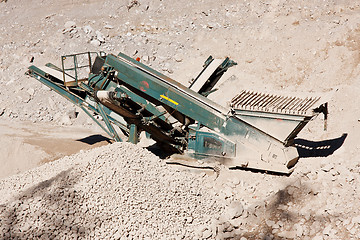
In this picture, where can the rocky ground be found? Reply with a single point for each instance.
(123, 191)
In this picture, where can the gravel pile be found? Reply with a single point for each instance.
(118, 191)
(121, 191)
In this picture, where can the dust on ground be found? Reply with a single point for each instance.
(284, 46)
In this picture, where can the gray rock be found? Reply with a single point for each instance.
(95, 42)
(65, 120)
(318, 237)
(71, 113)
(145, 58)
(212, 25)
(287, 234)
(26, 97)
(206, 234)
(88, 29)
(356, 220)
(327, 230)
(70, 25)
(299, 229)
(52, 104)
(268, 237)
(44, 87)
(270, 223)
(178, 58)
(327, 167)
(108, 26)
(226, 235)
(100, 37)
(189, 219)
(227, 227)
(31, 91)
(353, 231)
(234, 210)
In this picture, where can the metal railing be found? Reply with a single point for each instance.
(78, 66)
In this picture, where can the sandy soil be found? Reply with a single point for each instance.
(283, 46)
(25, 145)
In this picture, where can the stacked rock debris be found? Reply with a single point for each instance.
(119, 191)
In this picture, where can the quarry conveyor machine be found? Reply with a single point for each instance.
(256, 131)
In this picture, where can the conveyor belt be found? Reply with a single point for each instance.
(177, 86)
(247, 100)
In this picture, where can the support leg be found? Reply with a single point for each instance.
(133, 138)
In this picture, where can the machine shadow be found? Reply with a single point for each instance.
(161, 152)
(93, 139)
(284, 207)
(324, 148)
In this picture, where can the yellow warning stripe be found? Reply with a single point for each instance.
(169, 99)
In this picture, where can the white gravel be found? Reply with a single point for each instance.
(287, 45)
(119, 190)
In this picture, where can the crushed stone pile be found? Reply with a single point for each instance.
(119, 191)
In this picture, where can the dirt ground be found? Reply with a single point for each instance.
(26, 145)
(281, 46)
